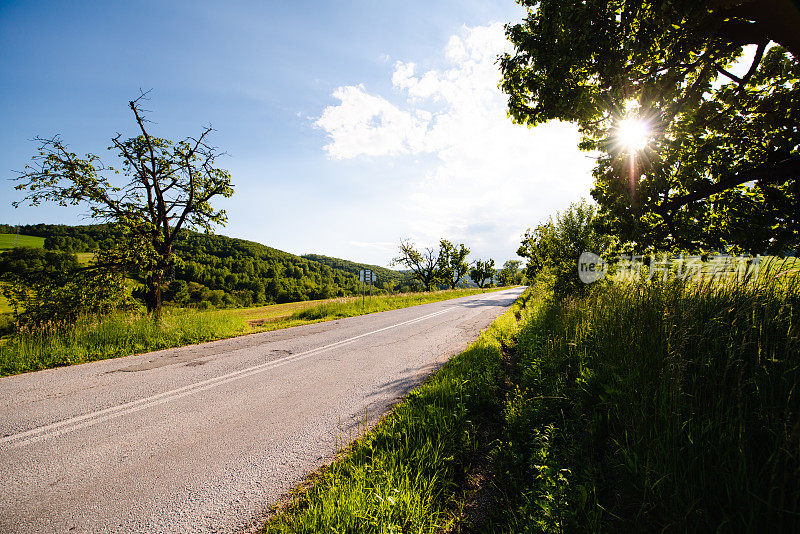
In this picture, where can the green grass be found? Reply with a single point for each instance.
(655, 407)
(115, 335)
(124, 334)
(260, 315)
(9, 241)
(405, 474)
(84, 258)
(5, 307)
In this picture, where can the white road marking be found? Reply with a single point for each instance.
(75, 423)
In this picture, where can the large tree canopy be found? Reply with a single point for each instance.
(718, 163)
(169, 186)
(453, 264)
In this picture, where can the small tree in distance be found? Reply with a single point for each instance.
(170, 186)
(452, 263)
(510, 274)
(482, 272)
(424, 266)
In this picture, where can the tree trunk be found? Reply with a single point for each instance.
(154, 298)
(156, 281)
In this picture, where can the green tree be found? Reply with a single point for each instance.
(707, 154)
(510, 274)
(49, 285)
(169, 187)
(482, 272)
(535, 248)
(452, 263)
(424, 265)
(553, 249)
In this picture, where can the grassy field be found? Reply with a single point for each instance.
(9, 241)
(4, 306)
(260, 315)
(124, 334)
(84, 257)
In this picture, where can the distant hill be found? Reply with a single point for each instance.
(11, 240)
(225, 271)
(402, 280)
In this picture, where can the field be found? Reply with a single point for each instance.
(9, 241)
(4, 307)
(120, 334)
(84, 257)
(260, 315)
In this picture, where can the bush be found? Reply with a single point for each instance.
(553, 249)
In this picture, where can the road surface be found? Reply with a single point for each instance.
(208, 437)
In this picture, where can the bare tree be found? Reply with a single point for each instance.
(424, 266)
(169, 187)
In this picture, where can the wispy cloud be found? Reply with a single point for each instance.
(489, 179)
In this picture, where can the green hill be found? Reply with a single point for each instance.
(401, 280)
(11, 240)
(223, 271)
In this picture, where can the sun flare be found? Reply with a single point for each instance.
(633, 134)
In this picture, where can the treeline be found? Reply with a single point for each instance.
(389, 280)
(219, 271)
(222, 272)
(447, 267)
(68, 238)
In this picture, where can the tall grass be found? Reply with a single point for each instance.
(111, 336)
(656, 407)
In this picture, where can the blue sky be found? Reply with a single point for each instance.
(350, 125)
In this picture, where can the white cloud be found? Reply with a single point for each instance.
(488, 179)
(363, 124)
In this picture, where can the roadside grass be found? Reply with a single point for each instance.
(5, 307)
(123, 334)
(114, 335)
(9, 241)
(404, 475)
(665, 407)
(274, 312)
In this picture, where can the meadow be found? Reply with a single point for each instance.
(9, 241)
(123, 334)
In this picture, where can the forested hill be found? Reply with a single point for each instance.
(226, 271)
(401, 280)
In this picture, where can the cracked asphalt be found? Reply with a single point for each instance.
(207, 438)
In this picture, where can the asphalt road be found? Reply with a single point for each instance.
(208, 437)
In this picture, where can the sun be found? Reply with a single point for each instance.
(633, 134)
